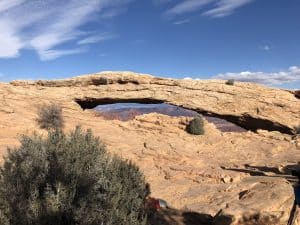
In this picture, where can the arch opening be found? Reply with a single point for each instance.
(223, 122)
(127, 109)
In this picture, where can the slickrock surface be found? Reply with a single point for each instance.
(251, 105)
(230, 178)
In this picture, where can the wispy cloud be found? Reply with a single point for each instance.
(53, 54)
(96, 38)
(226, 7)
(187, 6)
(49, 25)
(180, 22)
(138, 41)
(5, 5)
(265, 48)
(292, 74)
(103, 54)
(218, 8)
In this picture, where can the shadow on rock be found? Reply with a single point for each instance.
(287, 172)
(178, 217)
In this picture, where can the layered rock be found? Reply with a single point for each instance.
(234, 178)
(257, 204)
(250, 105)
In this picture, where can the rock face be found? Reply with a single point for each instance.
(252, 106)
(228, 178)
(256, 204)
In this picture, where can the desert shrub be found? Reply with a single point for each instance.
(196, 126)
(50, 117)
(230, 82)
(69, 180)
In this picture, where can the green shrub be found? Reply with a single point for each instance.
(50, 117)
(196, 126)
(69, 180)
(230, 82)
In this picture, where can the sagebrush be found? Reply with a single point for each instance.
(70, 180)
(230, 82)
(196, 126)
(50, 117)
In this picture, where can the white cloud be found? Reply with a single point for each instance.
(226, 7)
(265, 48)
(103, 54)
(180, 22)
(190, 78)
(53, 54)
(96, 38)
(5, 5)
(277, 78)
(10, 42)
(219, 8)
(44, 25)
(187, 6)
(138, 41)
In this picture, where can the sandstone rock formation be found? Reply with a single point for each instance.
(248, 104)
(125, 112)
(232, 178)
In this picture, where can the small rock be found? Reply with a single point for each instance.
(227, 179)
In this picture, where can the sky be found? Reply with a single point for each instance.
(247, 40)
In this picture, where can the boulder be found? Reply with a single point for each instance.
(262, 201)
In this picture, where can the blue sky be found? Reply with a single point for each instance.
(248, 40)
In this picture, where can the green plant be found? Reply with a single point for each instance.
(196, 126)
(70, 180)
(230, 82)
(50, 117)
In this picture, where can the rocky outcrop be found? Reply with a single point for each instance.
(240, 176)
(256, 204)
(252, 106)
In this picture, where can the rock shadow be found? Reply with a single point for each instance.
(285, 172)
(297, 94)
(289, 172)
(178, 217)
